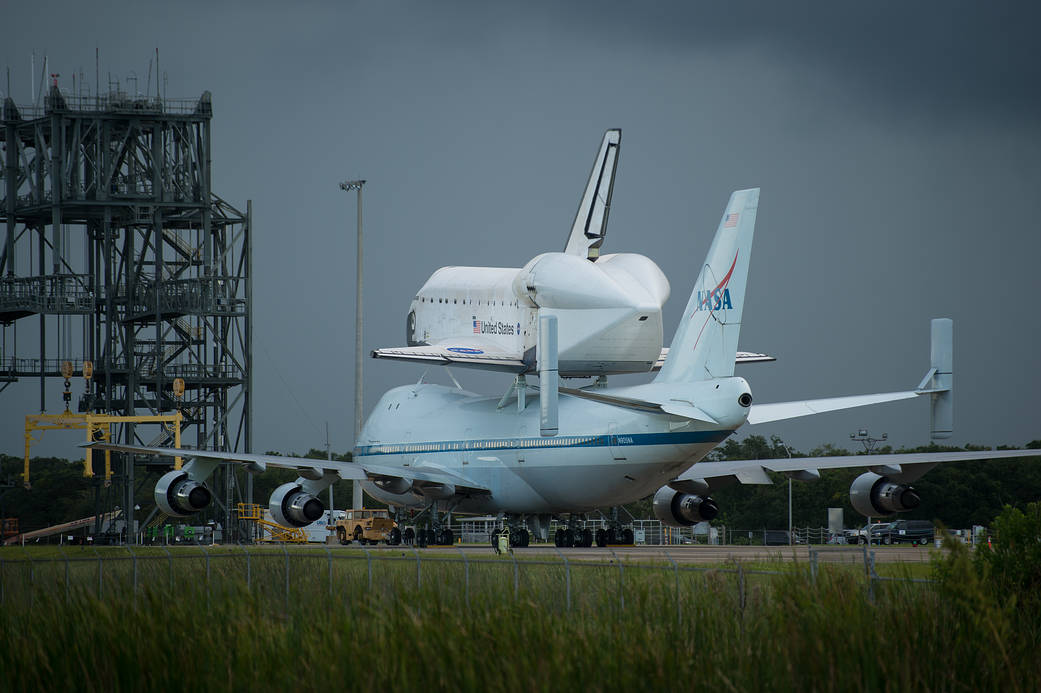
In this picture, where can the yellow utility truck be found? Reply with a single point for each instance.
(367, 526)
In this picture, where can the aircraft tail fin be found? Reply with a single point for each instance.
(590, 227)
(705, 344)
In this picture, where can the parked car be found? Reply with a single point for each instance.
(860, 536)
(909, 532)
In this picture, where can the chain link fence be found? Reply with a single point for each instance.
(278, 577)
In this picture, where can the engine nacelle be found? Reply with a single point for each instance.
(873, 495)
(178, 495)
(395, 485)
(291, 506)
(677, 509)
(436, 491)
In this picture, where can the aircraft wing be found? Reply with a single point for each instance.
(465, 352)
(902, 467)
(742, 357)
(307, 467)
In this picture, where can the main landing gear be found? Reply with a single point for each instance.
(577, 535)
(437, 531)
(519, 537)
(573, 536)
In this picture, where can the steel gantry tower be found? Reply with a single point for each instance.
(117, 251)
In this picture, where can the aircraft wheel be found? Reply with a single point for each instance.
(587, 538)
(627, 536)
(569, 538)
(558, 538)
(394, 538)
(448, 537)
(525, 537)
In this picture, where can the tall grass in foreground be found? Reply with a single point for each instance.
(419, 627)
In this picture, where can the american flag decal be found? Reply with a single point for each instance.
(477, 327)
(731, 221)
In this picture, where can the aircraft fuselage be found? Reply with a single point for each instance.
(603, 456)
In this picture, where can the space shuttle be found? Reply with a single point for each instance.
(608, 308)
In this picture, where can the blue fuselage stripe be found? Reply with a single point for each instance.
(582, 441)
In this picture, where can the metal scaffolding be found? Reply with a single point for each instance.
(117, 251)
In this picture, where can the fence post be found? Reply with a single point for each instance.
(567, 576)
(329, 554)
(32, 576)
(741, 588)
(286, 554)
(368, 557)
(92, 548)
(676, 573)
(66, 557)
(621, 580)
(870, 568)
(169, 561)
(466, 568)
(419, 570)
(516, 578)
(249, 571)
(134, 557)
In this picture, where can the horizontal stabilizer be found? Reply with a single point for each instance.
(937, 383)
(666, 406)
(764, 413)
(742, 357)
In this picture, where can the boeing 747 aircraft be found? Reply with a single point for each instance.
(566, 452)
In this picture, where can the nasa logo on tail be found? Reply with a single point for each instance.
(714, 300)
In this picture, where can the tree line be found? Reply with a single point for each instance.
(958, 494)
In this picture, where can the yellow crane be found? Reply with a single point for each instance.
(98, 426)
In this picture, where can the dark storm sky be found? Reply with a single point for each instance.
(897, 146)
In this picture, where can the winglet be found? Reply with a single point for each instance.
(590, 227)
(941, 363)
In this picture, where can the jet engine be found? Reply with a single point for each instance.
(178, 495)
(678, 509)
(873, 495)
(291, 506)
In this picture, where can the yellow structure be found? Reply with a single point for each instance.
(275, 531)
(98, 426)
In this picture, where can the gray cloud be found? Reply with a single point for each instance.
(896, 145)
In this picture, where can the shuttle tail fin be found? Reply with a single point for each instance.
(705, 344)
(590, 227)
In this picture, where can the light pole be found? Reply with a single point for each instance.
(791, 541)
(348, 185)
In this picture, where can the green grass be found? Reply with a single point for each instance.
(637, 628)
